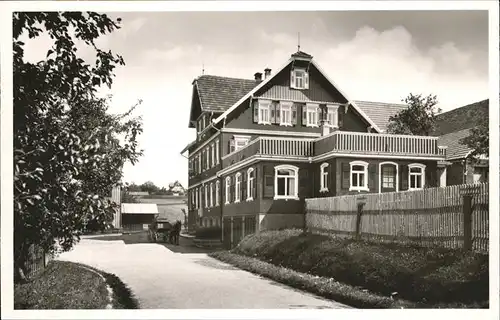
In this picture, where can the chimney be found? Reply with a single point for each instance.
(267, 73)
(258, 76)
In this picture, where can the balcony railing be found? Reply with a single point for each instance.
(342, 142)
(375, 143)
(272, 146)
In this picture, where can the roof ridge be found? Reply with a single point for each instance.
(225, 77)
(380, 102)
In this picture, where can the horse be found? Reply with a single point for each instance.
(175, 232)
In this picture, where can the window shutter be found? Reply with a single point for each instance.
(294, 114)
(255, 183)
(372, 172)
(318, 117)
(272, 111)
(244, 186)
(231, 145)
(304, 114)
(304, 190)
(278, 112)
(292, 79)
(403, 177)
(268, 182)
(306, 80)
(346, 172)
(255, 111)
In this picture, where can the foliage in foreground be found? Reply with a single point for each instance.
(68, 150)
(424, 275)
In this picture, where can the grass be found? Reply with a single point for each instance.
(366, 274)
(67, 285)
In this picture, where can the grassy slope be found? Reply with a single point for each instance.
(66, 285)
(424, 276)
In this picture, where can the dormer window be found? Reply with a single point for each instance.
(299, 79)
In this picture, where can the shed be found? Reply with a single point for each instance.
(138, 216)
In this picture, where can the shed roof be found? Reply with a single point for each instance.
(139, 208)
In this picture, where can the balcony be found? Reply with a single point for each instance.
(355, 143)
(272, 146)
(361, 143)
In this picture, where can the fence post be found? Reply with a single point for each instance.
(467, 215)
(361, 204)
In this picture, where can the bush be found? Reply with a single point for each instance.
(433, 275)
(209, 233)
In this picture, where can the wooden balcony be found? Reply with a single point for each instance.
(355, 143)
(272, 146)
(379, 144)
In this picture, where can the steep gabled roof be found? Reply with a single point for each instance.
(264, 82)
(465, 117)
(455, 150)
(380, 112)
(217, 93)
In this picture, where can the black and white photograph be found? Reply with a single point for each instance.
(197, 159)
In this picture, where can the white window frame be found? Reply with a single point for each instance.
(410, 174)
(264, 105)
(237, 187)
(237, 139)
(212, 148)
(380, 176)
(299, 70)
(211, 194)
(286, 108)
(206, 195)
(207, 158)
(295, 176)
(250, 184)
(199, 163)
(217, 151)
(332, 115)
(323, 177)
(364, 187)
(312, 114)
(217, 193)
(228, 190)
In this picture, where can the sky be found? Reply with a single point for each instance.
(377, 56)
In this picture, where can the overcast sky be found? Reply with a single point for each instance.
(378, 56)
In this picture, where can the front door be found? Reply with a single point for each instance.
(388, 179)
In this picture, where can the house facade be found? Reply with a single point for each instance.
(452, 127)
(265, 145)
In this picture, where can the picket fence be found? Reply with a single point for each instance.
(452, 217)
(37, 261)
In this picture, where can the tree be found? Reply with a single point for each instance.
(150, 187)
(68, 150)
(479, 139)
(417, 119)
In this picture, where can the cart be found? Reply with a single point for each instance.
(159, 230)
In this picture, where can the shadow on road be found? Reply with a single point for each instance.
(186, 245)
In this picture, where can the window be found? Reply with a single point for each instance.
(388, 173)
(217, 192)
(286, 114)
(217, 151)
(250, 184)
(312, 115)
(206, 196)
(228, 189)
(299, 79)
(416, 173)
(212, 147)
(197, 192)
(285, 182)
(324, 178)
(211, 194)
(237, 188)
(264, 112)
(238, 142)
(332, 116)
(359, 176)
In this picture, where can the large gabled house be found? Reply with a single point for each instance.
(263, 145)
(452, 127)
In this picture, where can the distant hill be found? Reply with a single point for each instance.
(465, 117)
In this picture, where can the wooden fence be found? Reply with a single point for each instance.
(452, 217)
